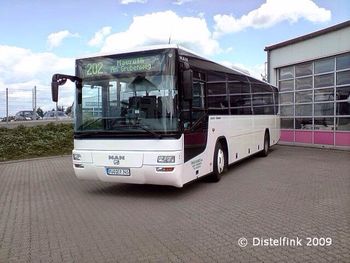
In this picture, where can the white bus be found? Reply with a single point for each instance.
(164, 115)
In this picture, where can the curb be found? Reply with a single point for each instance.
(33, 159)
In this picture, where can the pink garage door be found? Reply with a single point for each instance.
(342, 138)
(324, 137)
(303, 136)
(287, 136)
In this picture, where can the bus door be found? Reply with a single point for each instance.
(195, 118)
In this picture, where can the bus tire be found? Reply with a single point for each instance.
(219, 163)
(265, 151)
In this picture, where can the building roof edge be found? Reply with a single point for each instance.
(309, 36)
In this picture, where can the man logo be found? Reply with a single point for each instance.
(116, 158)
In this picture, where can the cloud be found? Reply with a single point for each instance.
(100, 36)
(271, 13)
(21, 69)
(156, 28)
(55, 39)
(181, 2)
(126, 2)
(19, 64)
(201, 14)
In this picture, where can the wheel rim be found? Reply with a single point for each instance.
(221, 161)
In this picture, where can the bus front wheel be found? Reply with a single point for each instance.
(219, 163)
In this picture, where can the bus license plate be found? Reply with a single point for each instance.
(118, 171)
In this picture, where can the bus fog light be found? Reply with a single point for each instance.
(76, 156)
(166, 159)
(79, 165)
(164, 169)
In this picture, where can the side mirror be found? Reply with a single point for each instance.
(187, 84)
(79, 95)
(60, 79)
(54, 91)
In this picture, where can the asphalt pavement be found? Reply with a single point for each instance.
(292, 206)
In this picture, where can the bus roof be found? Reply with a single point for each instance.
(182, 51)
(137, 49)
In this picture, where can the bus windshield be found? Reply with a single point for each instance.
(137, 100)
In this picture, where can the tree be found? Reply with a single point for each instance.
(40, 112)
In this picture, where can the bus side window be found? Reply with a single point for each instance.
(217, 98)
(263, 100)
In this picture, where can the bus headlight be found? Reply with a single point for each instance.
(76, 156)
(166, 159)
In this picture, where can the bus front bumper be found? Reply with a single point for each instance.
(147, 174)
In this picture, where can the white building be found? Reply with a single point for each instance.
(312, 73)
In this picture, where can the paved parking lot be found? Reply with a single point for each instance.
(47, 215)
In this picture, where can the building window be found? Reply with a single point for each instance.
(324, 95)
(343, 61)
(325, 80)
(343, 108)
(343, 124)
(324, 65)
(287, 98)
(343, 93)
(303, 123)
(324, 123)
(287, 123)
(343, 78)
(303, 110)
(315, 96)
(287, 110)
(286, 85)
(324, 109)
(303, 83)
(286, 73)
(303, 96)
(304, 69)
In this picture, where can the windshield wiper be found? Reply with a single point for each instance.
(104, 133)
(87, 133)
(85, 125)
(136, 125)
(147, 130)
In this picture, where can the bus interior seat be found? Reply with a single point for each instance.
(146, 104)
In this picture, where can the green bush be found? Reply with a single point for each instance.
(29, 142)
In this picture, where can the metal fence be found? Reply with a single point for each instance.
(27, 99)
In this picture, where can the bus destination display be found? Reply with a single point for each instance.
(106, 66)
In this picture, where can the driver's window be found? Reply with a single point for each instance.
(193, 111)
(198, 95)
(114, 98)
(92, 101)
(195, 120)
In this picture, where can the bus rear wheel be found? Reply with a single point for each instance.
(265, 151)
(219, 163)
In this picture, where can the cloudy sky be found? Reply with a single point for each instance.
(40, 37)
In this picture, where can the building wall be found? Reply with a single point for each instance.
(313, 77)
(322, 46)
